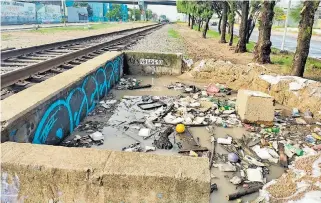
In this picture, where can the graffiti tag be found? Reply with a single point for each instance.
(151, 62)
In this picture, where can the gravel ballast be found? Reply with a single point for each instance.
(160, 41)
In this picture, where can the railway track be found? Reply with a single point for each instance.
(23, 68)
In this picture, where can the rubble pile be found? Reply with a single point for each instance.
(302, 183)
(291, 91)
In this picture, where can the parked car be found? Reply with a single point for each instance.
(214, 23)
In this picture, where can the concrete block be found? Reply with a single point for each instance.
(148, 63)
(255, 107)
(43, 173)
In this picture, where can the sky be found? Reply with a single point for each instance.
(169, 11)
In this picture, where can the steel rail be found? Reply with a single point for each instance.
(12, 77)
(18, 52)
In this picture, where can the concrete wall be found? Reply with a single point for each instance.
(77, 15)
(47, 112)
(42, 173)
(144, 63)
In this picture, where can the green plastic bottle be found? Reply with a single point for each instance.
(295, 150)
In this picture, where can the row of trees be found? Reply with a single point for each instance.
(256, 12)
(115, 12)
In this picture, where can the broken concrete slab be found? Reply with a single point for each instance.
(48, 173)
(255, 107)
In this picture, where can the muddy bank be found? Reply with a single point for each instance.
(290, 91)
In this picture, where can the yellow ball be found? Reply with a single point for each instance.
(180, 128)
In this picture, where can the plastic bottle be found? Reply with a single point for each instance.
(309, 139)
(273, 130)
(295, 150)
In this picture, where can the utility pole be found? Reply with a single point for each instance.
(134, 10)
(64, 10)
(286, 25)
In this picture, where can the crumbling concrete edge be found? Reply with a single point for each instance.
(45, 173)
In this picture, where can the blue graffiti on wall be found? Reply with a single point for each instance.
(63, 115)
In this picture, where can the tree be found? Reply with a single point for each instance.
(182, 7)
(224, 21)
(217, 6)
(191, 9)
(115, 12)
(304, 37)
(295, 13)
(231, 20)
(90, 11)
(278, 14)
(254, 13)
(149, 14)
(241, 45)
(263, 46)
(207, 13)
(134, 14)
(80, 4)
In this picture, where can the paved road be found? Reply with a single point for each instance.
(290, 42)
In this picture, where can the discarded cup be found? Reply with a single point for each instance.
(224, 140)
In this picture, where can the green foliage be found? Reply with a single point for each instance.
(279, 14)
(162, 17)
(206, 8)
(90, 11)
(115, 13)
(173, 33)
(134, 12)
(201, 9)
(149, 14)
(181, 6)
(80, 4)
(295, 13)
(231, 15)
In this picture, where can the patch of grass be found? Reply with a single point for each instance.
(74, 28)
(5, 37)
(285, 60)
(173, 33)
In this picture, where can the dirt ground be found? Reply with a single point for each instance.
(199, 48)
(28, 38)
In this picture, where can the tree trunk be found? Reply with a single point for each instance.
(263, 46)
(192, 24)
(304, 37)
(189, 20)
(219, 25)
(224, 21)
(231, 21)
(250, 30)
(199, 25)
(206, 27)
(231, 34)
(241, 45)
(228, 28)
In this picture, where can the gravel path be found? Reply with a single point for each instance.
(160, 41)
